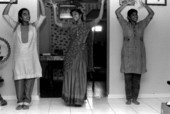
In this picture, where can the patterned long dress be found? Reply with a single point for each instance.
(75, 66)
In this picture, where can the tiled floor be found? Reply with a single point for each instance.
(91, 106)
(96, 103)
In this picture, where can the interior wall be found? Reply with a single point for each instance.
(153, 83)
(8, 89)
(157, 42)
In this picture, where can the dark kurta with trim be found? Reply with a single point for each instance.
(133, 55)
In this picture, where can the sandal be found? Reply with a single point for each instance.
(19, 107)
(25, 107)
(3, 102)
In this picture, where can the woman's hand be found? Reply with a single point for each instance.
(40, 0)
(141, 3)
(131, 2)
(102, 1)
(53, 3)
(128, 2)
(12, 1)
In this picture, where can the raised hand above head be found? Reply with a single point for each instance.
(131, 2)
(141, 3)
(41, 0)
(128, 2)
(102, 1)
(12, 1)
(54, 4)
(51, 2)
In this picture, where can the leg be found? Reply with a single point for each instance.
(128, 87)
(19, 86)
(136, 87)
(29, 84)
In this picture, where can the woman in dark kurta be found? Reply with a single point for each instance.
(75, 64)
(133, 55)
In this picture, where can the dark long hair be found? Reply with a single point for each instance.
(131, 11)
(78, 11)
(19, 17)
(20, 14)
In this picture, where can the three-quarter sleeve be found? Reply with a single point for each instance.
(146, 21)
(121, 20)
(39, 21)
(10, 21)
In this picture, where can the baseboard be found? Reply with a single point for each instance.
(140, 96)
(34, 97)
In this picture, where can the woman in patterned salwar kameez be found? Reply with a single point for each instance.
(75, 64)
(133, 56)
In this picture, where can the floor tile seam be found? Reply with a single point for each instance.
(50, 105)
(90, 105)
(149, 106)
(111, 108)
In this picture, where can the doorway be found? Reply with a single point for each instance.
(97, 80)
(53, 40)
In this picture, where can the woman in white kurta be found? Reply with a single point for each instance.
(26, 61)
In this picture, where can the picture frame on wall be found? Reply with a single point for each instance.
(7, 1)
(64, 11)
(121, 2)
(156, 2)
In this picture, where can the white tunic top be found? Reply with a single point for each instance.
(26, 59)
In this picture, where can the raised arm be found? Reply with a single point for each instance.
(96, 21)
(42, 7)
(7, 8)
(150, 11)
(149, 17)
(119, 10)
(42, 16)
(55, 9)
(6, 16)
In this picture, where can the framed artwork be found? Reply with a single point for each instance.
(121, 2)
(7, 1)
(156, 2)
(5, 50)
(64, 11)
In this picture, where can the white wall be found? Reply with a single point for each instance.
(157, 42)
(8, 89)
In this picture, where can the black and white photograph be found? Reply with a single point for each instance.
(7, 1)
(156, 2)
(84, 57)
(121, 2)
